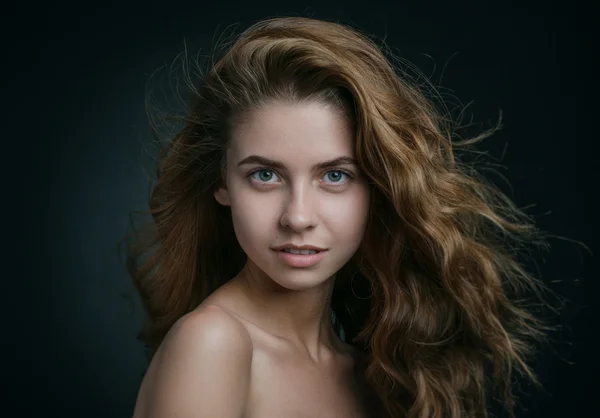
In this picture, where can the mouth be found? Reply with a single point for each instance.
(300, 258)
(299, 249)
(299, 252)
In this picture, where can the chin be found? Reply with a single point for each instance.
(298, 284)
(299, 279)
(295, 278)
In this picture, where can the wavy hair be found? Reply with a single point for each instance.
(436, 297)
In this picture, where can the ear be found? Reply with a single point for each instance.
(222, 196)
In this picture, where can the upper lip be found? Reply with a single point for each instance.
(298, 247)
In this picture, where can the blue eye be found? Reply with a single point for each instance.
(264, 175)
(332, 177)
(335, 175)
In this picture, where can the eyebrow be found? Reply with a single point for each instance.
(257, 159)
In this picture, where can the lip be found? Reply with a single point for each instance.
(301, 260)
(298, 247)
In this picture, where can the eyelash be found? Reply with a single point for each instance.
(341, 183)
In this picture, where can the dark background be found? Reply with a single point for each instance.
(74, 153)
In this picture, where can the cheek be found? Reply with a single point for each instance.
(347, 218)
(253, 218)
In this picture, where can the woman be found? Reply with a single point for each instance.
(319, 251)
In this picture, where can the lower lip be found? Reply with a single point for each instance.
(301, 260)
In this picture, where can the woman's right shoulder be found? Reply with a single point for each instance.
(209, 325)
(203, 364)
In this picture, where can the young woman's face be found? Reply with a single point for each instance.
(281, 191)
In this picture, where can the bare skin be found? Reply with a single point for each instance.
(285, 380)
(263, 345)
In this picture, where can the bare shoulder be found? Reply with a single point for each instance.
(202, 369)
(207, 327)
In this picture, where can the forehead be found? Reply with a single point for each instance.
(293, 133)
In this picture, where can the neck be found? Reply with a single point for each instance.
(302, 317)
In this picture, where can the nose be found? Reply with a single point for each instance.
(299, 209)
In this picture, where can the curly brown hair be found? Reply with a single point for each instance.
(436, 296)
